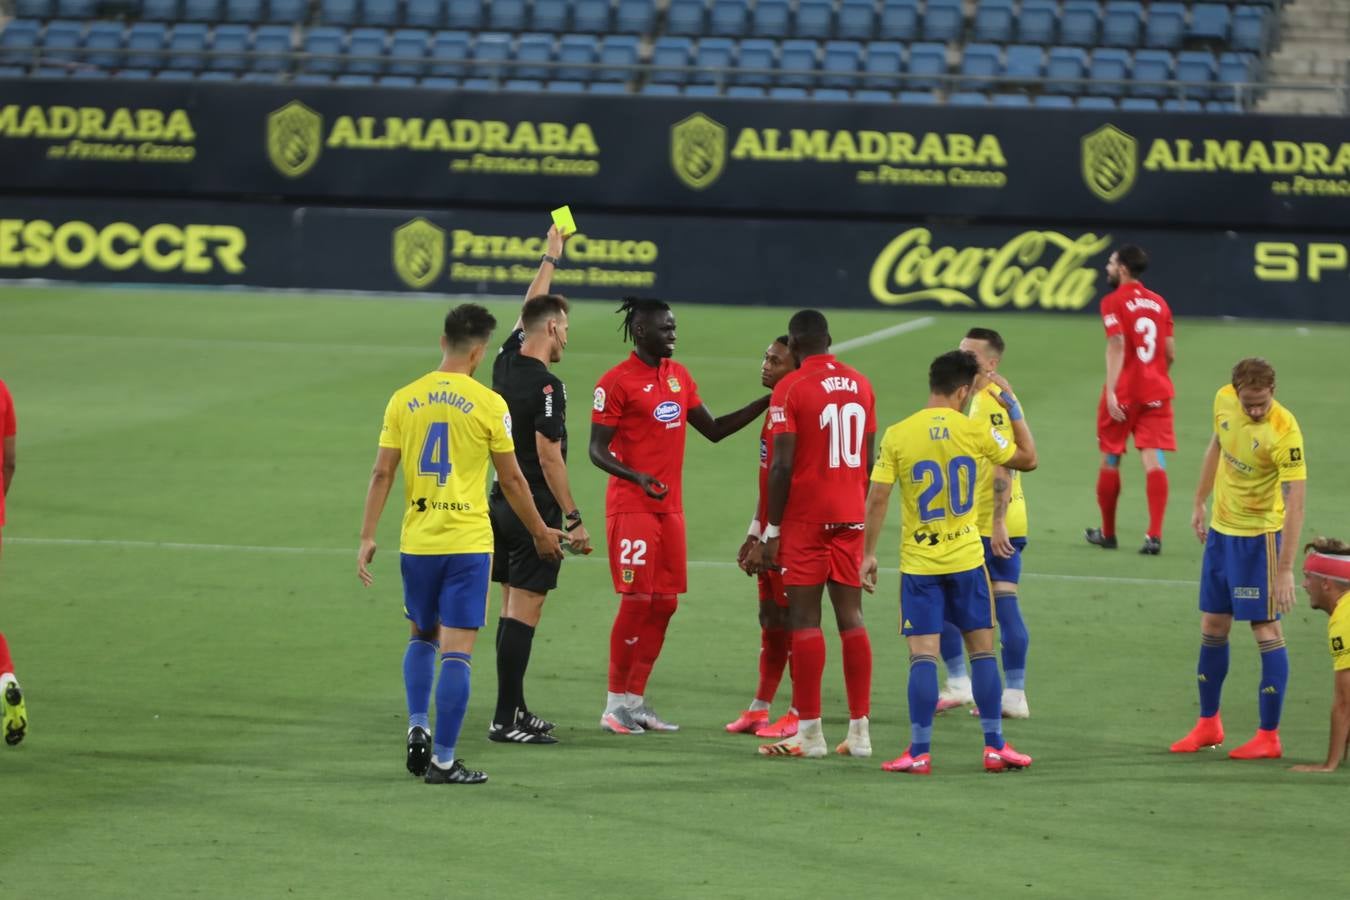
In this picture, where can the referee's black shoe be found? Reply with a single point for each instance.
(419, 750)
(518, 733)
(456, 774)
(1095, 536)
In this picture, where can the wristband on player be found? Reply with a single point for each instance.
(551, 260)
(1014, 408)
(755, 529)
(573, 521)
(770, 532)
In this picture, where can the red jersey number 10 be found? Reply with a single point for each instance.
(846, 433)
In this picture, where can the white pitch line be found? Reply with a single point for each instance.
(330, 551)
(878, 336)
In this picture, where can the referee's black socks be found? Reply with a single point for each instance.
(514, 642)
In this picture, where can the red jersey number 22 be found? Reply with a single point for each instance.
(846, 433)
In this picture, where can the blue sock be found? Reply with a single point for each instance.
(1211, 672)
(923, 698)
(988, 691)
(452, 699)
(1274, 678)
(953, 651)
(1015, 640)
(419, 673)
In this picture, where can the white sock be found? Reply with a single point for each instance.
(959, 685)
(854, 724)
(757, 704)
(441, 764)
(614, 701)
(6, 678)
(633, 701)
(806, 725)
(792, 710)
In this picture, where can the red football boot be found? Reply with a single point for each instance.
(750, 721)
(1208, 732)
(1266, 745)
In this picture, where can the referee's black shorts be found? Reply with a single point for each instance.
(515, 562)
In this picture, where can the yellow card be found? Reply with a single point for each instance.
(562, 217)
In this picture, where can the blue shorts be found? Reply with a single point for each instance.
(963, 598)
(449, 589)
(1237, 576)
(1001, 569)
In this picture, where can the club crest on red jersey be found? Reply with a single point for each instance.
(627, 576)
(674, 384)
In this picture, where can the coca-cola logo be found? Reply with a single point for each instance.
(1045, 269)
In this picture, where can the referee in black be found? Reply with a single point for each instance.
(538, 404)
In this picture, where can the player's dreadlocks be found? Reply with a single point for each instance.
(632, 307)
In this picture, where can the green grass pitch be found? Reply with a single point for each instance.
(217, 705)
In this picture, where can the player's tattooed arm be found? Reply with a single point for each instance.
(601, 436)
(998, 539)
(725, 426)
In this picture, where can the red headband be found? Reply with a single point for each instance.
(1328, 566)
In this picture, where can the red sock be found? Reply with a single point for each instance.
(624, 638)
(1157, 501)
(773, 657)
(857, 671)
(659, 612)
(6, 664)
(808, 668)
(1108, 492)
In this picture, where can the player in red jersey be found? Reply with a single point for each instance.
(637, 436)
(1137, 398)
(774, 635)
(824, 430)
(13, 712)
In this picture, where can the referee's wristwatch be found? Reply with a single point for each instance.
(573, 521)
(555, 261)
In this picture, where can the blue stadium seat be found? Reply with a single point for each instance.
(1096, 103)
(980, 61)
(1036, 22)
(1176, 104)
(713, 55)
(772, 18)
(490, 50)
(365, 42)
(1221, 106)
(608, 87)
(685, 17)
(815, 19)
(1067, 63)
(271, 39)
(967, 98)
(840, 64)
(60, 40)
(1078, 23)
(331, 12)
(247, 11)
(884, 58)
(755, 53)
(286, 10)
(103, 44)
(429, 14)
(745, 91)
(797, 62)
(1209, 21)
(322, 41)
(635, 16)
(478, 84)
(407, 50)
(1024, 61)
(1250, 29)
(832, 95)
(259, 77)
(657, 89)
(671, 51)
(1110, 66)
(1010, 100)
(926, 60)
(729, 18)
(1139, 104)
(857, 20)
(186, 44)
(591, 16)
(356, 79)
(917, 98)
(994, 21)
(505, 15)
(550, 15)
(465, 14)
(529, 85)
(439, 83)
(449, 49)
(216, 76)
(144, 36)
(1236, 69)
(384, 13)
(75, 9)
(942, 20)
(579, 50)
(201, 10)
(1166, 26)
(619, 50)
(167, 75)
(230, 39)
(130, 74)
(1053, 101)
(35, 9)
(787, 93)
(871, 95)
(1154, 66)
(1197, 67)
(1121, 23)
(701, 90)
(396, 80)
(17, 41)
(899, 20)
(533, 51)
(160, 10)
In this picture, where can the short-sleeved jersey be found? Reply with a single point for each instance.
(935, 455)
(9, 427)
(447, 426)
(1144, 320)
(1338, 634)
(765, 461)
(537, 400)
(830, 407)
(1255, 458)
(648, 408)
(985, 408)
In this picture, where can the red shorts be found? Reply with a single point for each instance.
(647, 552)
(814, 552)
(1149, 423)
(771, 587)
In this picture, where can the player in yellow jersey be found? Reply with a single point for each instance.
(935, 455)
(1326, 578)
(442, 429)
(1003, 531)
(1255, 468)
